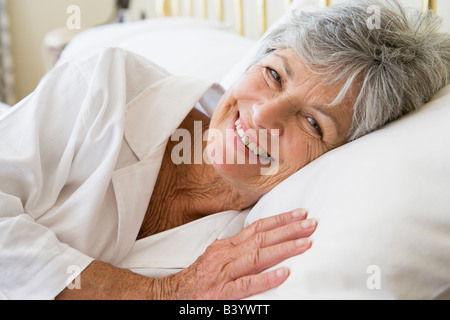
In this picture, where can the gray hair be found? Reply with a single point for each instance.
(395, 67)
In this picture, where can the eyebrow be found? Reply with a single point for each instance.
(286, 66)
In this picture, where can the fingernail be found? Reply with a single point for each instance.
(299, 213)
(303, 242)
(281, 273)
(310, 223)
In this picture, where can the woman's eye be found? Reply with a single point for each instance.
(275, 75)
(315, 125)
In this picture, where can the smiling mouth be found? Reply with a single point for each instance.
(253, 147)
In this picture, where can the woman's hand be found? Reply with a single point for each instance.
(229, 269)
(232, 268)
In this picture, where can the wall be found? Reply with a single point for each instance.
(31, 20)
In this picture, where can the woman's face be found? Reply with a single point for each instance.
(282, 107)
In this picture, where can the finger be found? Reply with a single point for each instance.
(291, 231)
(261, 259)
(250, 285)
(268, 224)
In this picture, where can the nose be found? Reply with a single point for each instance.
(269, 115)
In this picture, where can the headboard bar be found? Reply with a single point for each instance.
(325, 3)
(165, 8)
(204, 8)
(430, 5)
(190, 8)
(239, 12)
(262, 16)
(220, 10)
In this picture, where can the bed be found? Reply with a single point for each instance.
(383, 201)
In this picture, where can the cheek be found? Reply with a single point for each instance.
(294, 148)
(299, 150)
(250, 86)
(225, 109)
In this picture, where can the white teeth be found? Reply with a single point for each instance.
(249, 144)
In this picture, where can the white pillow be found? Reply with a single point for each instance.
(182, 46)
(383, 205)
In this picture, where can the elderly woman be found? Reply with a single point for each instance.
(322, 79)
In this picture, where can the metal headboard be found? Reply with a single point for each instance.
(166, 8)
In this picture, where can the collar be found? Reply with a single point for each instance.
(157, 112)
